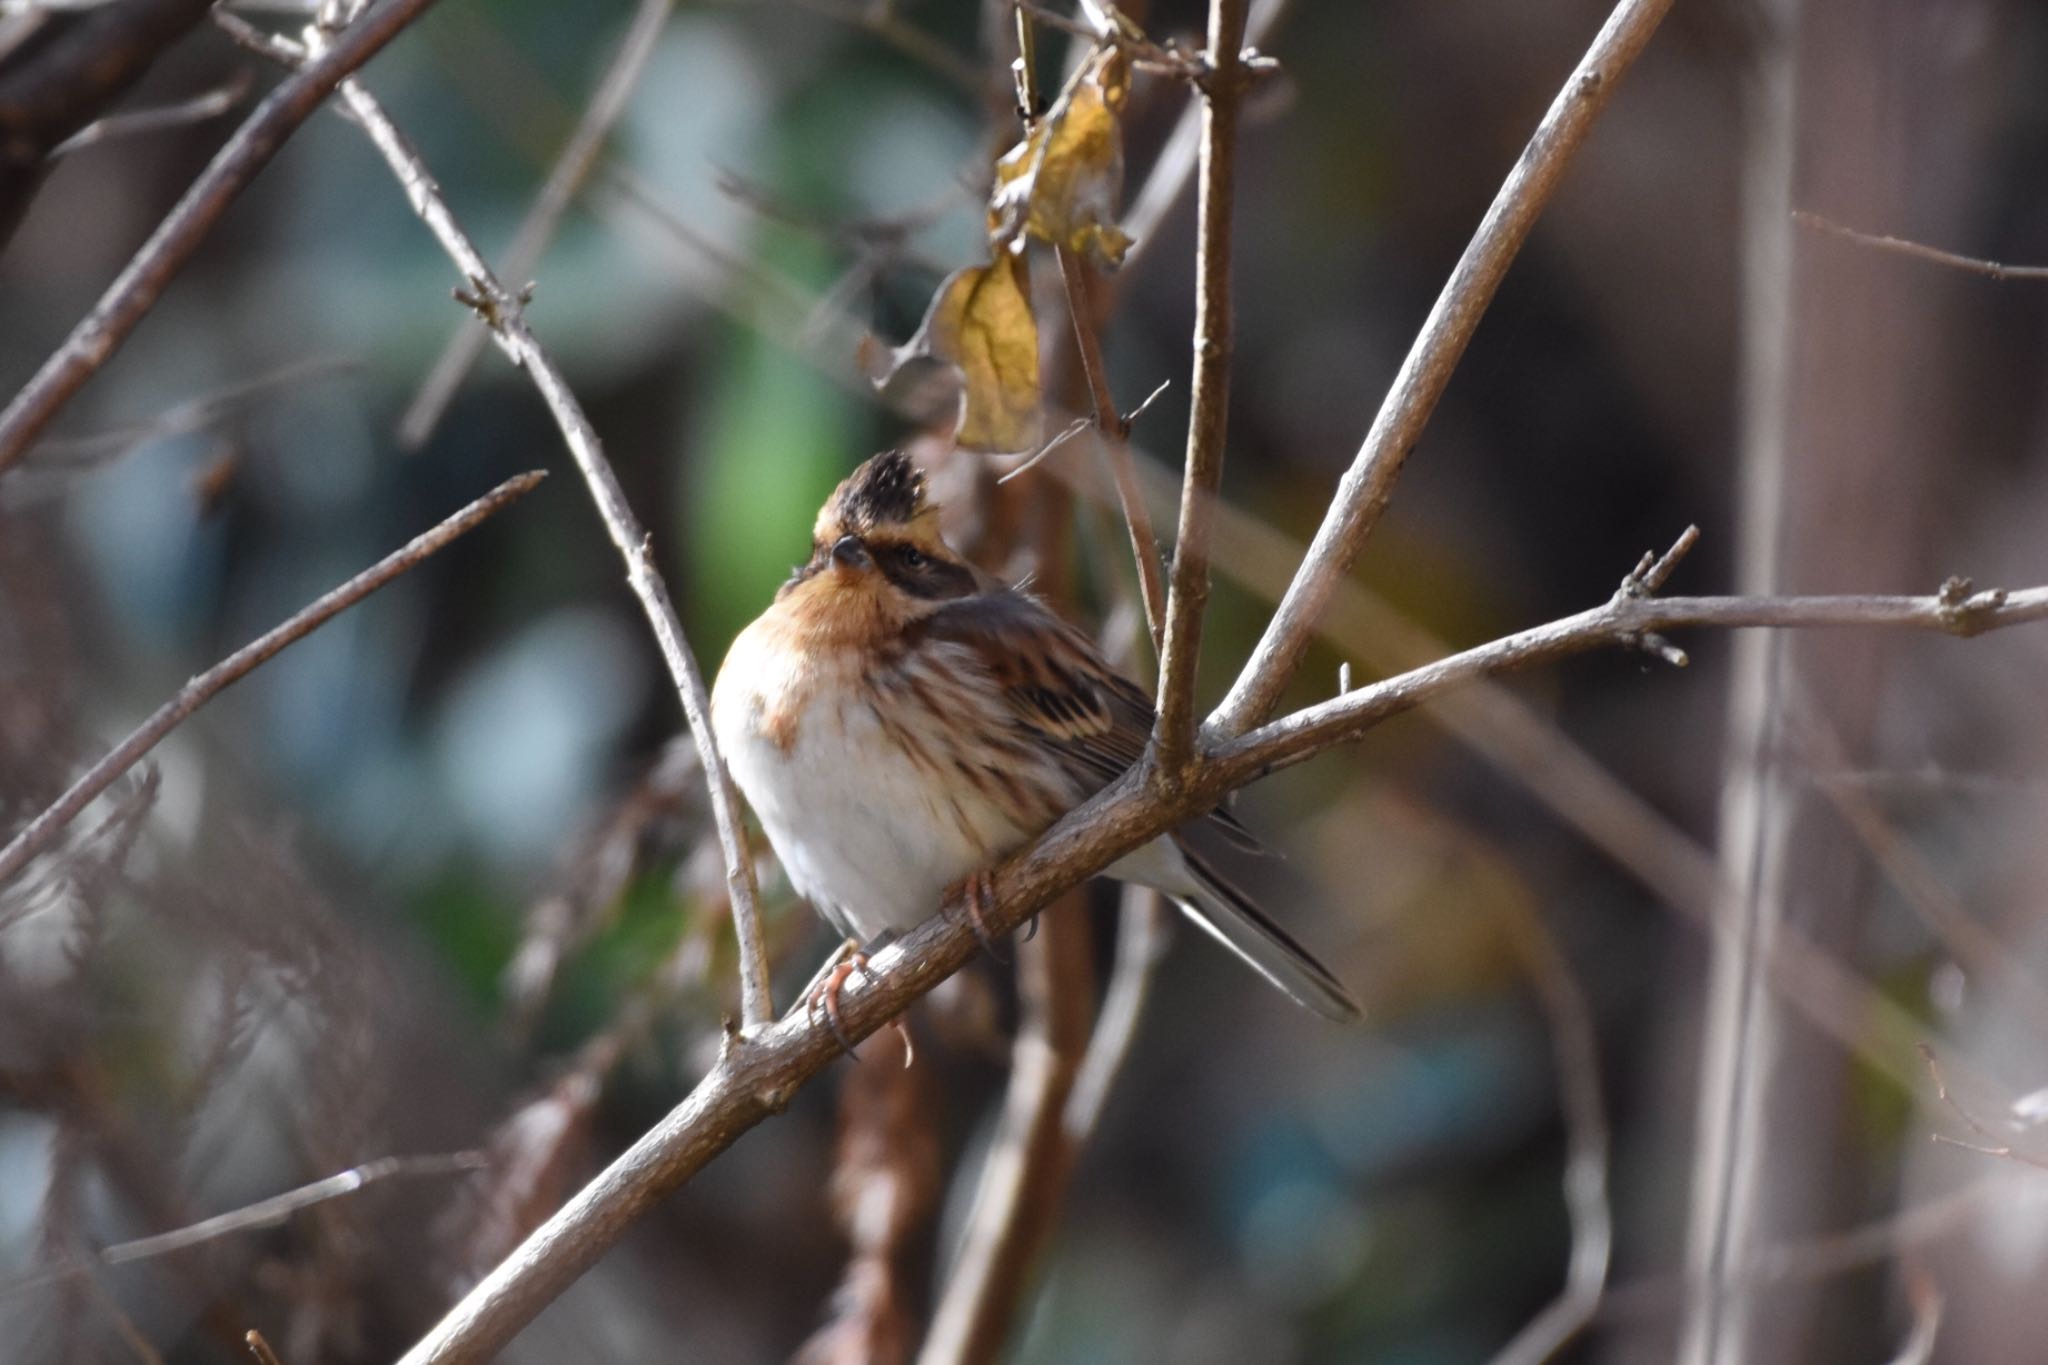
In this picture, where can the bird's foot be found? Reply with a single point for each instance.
(976, 894)
(823, 996)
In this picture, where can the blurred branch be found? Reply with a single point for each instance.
(174, 242)
(1817, 1258)
(1363, 492)
(1031, 1158)
(1926, 1300)
(1587, 1141)
(1223, 87)
(39, 832)
(913, 42)
(564, 180)
(194, 414)
(260, 1348)
(883, 1187)
(264, 1213)
(1140, 944)
(1113, 434)
(1976, 265)
(210, 104)
(59, 81)
(504, 313)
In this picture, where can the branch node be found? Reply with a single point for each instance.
(1652, 572)
(1964, 610)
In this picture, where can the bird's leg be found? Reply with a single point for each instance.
(823, 993)
(976, 893)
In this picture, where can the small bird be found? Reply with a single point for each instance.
(900, 721)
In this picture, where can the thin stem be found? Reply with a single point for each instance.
(1625, 620)
(1173, 733)
(40, 832)
(176, 239)
(1367, 485)
(504, 314)
(1976, 265)
(537, 229)
(1113, 440)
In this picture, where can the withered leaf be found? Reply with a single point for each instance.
(1062, 183)
(980, 323)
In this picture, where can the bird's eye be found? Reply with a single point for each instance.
(913, 558)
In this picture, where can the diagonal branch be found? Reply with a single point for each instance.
(1363, 492)
(505, 315)
(1223, 87)
(149, 272)
(40, 832)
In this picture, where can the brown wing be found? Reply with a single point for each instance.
(1059, 687)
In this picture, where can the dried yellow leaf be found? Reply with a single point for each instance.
(1062, 183)
(980, 323)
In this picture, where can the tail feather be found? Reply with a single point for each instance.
(1241, 926)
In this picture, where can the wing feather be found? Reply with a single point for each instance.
(1059, 688)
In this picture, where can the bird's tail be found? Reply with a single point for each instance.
(1241, 926)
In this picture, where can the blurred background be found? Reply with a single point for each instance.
(437, 880)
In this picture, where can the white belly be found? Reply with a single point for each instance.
(866, 831)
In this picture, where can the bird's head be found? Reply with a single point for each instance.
(878, 536)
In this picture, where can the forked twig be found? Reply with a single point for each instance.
(1363, 492)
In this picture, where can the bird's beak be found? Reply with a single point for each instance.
(849, 553)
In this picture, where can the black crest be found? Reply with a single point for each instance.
(887, 490)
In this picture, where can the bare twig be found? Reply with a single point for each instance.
(1173, 733)
(1624, 620)
(1367, 485)
(41, 831)
(198, 109)
(1976, 265)
(504, 313)
(564, 181)
(143, 280)
(750, 1083)
(1113, 440)
(260, 1348)
(1992, 1144)
(1816, 1258)
(264, 1213)
(1586, 1143)
(1926, 1299)
(194, 414)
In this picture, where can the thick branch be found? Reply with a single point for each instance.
(143, 280)
(1367, 485)
(38, 834)
(757, 1079)
(505, 315)
(1173, 735)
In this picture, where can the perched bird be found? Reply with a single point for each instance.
(900, 721)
